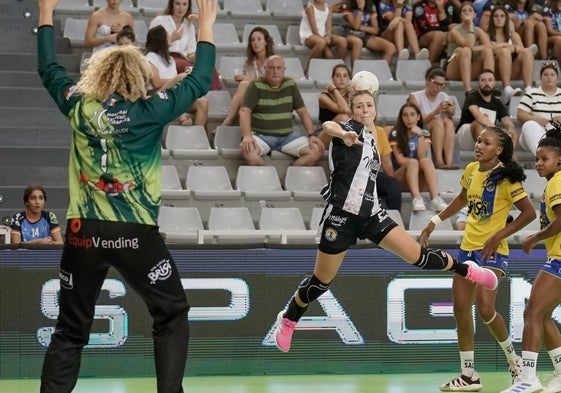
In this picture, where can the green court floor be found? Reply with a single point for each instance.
(493, 382)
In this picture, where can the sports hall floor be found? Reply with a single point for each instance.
(493, 382)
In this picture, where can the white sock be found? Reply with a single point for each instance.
(555, 355)
(508, 349)
(529, 364)
(467, 363)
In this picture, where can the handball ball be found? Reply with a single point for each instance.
(365, 80)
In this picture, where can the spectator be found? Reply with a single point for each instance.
(482, 109)
(104, 25)
(396, 23)
(461, 219)
(360, 20)
(538, 107)
(178, 20)
(259, 47)
(164, 74)
(511, 58)
(552, 20)
(334, 106)
(126, 36)
(35, 225)
(483, 10)
(413, 168)
(316, 34)
(431, 25)
(437, 109)
(469, 49)
(529, 24)
(266, 118)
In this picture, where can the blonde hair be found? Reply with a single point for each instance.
(119, 69)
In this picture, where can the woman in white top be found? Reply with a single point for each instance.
(538, 107)
(438, 111)
(104, 25)
(164, 73)
(315, 33)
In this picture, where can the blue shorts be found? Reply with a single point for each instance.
(552, 266)
(501, 263)
(290, 144)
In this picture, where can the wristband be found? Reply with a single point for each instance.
(435, 219)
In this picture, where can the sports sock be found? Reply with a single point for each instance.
(555, 355)
(529, 364)
(508, 349)
(467, 362)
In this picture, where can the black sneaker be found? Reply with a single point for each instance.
(461, 383)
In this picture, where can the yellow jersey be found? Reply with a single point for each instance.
(551, 199)
(488, 207)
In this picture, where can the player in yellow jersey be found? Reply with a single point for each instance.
(546, 290)
(490, 186)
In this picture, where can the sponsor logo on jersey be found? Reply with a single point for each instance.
(66, 280)
(88, 242)
(162, 271)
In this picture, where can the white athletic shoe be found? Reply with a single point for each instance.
(531, 386)
(461, 383)
(515, 368)
(423, 54)
(403, 54)
(418, 204)
(554, 386)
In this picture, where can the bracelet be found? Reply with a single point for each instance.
(435, 220)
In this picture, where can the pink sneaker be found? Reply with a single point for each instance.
(283, 332)
(481, 276)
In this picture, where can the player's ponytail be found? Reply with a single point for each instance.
(510, 170)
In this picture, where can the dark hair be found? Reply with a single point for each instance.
(487, 71)
(126, 32)
(528, 6)
(32, 187)
(549, 64)
(510, 170)
(368, 6)
(157, 42)
(467, 3)
(269, 49)
(340, 65)
(434, 71)
(492, 30)
(552, 138)
(401, 129)
(169, 8)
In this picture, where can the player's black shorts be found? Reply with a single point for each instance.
(341, 229)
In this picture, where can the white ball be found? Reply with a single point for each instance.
(365, 80)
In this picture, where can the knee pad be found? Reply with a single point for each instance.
(432, 259)
(311, 288)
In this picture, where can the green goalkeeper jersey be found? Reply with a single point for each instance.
(114, 167)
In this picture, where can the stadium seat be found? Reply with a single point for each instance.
(150, 8)
(513, 108)
(188, 142)
(74, 7)
(295, 71)
(227, 68)
(210, 182)
(281, 218)
(449, 182)
(311, 101)
(179, 224)
(320, 71)
(315, 220)
(381, 69)
(534, 184)
(305, 182)
(412, 73)
(227, 141)
(293, 41)
(289, 9)
(218, 104)
(226, 37)
(126, 5)
(251, 8)
(388, 107)
(75, 31)
(396, 216)
(260, 183)
(171, 185)
(236, 219)
(418, 220)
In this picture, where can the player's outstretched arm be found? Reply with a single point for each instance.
(207, 17)
(46, 9)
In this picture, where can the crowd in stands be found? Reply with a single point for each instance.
(464, 41)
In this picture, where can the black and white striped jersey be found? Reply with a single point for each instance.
(352, 186)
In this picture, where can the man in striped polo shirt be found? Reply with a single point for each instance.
(266, 119)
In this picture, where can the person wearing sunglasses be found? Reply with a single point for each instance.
(437, 109)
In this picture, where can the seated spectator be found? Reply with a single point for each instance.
(482, 109)
(538, 107)
(529, 24)
(469, 49)
(552, 20)
(460, 220)
(413, 168)
(334, 100)
(316, 34)
(396, 23)
(178, 20)
(260, 46)
(511, 58)
(104, 25)
(35, 225)
(437, 109)
(360, 21)
(483, 11)
(126, 36)
(164, 74)
(266, 119)
(431, 22)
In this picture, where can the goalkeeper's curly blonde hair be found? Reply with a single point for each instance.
(120, 69)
